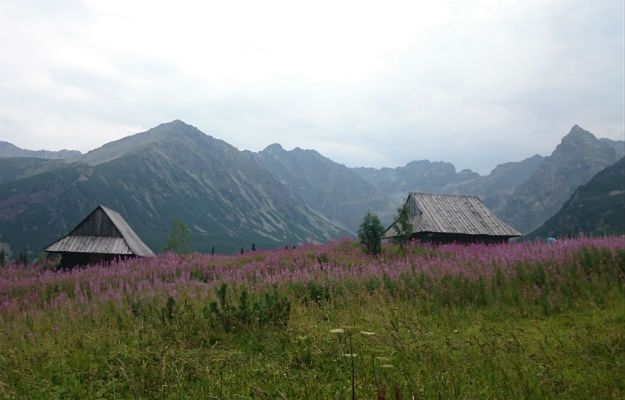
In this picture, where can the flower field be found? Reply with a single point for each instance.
(523, 320)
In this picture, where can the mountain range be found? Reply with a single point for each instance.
(578, 157)
(596, 208)
(173, 171)
(332, 189)
(231, 199)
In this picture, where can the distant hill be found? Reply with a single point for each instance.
(8, 150)
(416, 176)
(172, 171)
(578, 157)
(596, 208)
(496, 188)
(330, 188)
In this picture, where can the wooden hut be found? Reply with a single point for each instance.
(103, 236)
(442, 218)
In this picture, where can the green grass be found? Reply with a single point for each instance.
(544, 331)
(467, 352)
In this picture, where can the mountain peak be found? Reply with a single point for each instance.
(175, 126)
(418, 163)
(169, 132)
(274, 148)
(176, 122)
(578, 133)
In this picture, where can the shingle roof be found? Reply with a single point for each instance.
(442, 213)
(90, 244)
(124, 241)
(132, 239)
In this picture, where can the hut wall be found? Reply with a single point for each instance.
(445, 238)
(71, 260)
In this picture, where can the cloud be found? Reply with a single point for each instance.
(366, 83)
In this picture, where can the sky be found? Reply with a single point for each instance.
(366, 83)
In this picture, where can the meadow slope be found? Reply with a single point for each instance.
(525, 320)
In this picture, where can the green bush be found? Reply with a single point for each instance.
(179, 238)
(370, 234)
(403, 228)
(265, 310)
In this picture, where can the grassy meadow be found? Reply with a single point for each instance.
(523, 320)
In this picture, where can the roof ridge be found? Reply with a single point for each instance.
(448, 195)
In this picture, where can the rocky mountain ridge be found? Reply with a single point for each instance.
(332, 189)
(233, 198)
(172, 171)
(8, 150)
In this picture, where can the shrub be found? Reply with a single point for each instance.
(268, 309)
(370, 234)
(317, 292)
(178, 240)
(403, 227)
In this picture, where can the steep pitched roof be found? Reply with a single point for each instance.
(443, 213)
(104, 231)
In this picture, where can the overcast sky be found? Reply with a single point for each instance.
(366, 83)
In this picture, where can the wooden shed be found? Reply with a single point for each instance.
(103, 236)
(442, 218)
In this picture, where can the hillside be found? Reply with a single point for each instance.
(171, 171)
(578, 157)
(330, 188)
(523, 320)
(596, 208)
(18, 168)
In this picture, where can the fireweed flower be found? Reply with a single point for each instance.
(196, 275)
